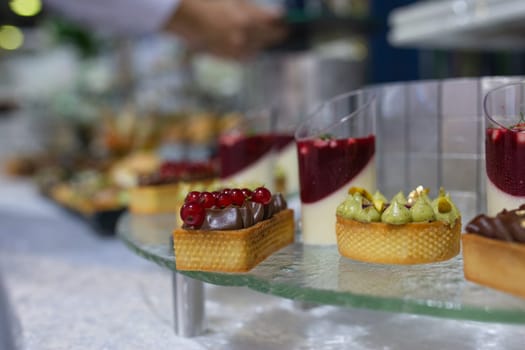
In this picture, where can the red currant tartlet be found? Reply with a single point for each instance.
(231, 230)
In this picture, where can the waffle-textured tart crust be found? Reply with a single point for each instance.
(494, 263)
(232, 250)
(412, 243)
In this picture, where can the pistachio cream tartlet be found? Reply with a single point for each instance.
(413, 230)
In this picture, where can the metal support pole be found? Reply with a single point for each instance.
(188, 305)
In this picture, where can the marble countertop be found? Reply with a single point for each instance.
(71, 289)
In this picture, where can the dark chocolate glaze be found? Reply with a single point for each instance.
(508, 225)
(235, 218)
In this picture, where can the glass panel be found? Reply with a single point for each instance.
(392, 137)
(321, 275)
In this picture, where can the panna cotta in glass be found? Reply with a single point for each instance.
(336, 150)
(247, 159)
(505, 148)
(505, 164)
(247, 151)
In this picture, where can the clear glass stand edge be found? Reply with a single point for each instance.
(320, 275)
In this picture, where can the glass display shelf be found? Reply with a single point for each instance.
(320, 275)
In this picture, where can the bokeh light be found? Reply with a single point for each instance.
(26, 8)
(11, 37)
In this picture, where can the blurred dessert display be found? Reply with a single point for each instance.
(108, 115)
(126, 172)
(20, 166)
(126, 131)
(158, 192)
(88, 191)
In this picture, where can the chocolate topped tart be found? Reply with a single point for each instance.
(231, 230)
(494, 251)
(508, 225)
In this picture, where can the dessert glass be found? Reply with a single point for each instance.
(505, 147)
(336, 150)
(286, 165)
(246, 151)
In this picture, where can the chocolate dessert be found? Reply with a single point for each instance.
(494, 251)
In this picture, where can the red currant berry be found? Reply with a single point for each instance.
(192, 197)
(223, 201)
(216, 194)
(207, 200)
(237, 197)
(192, 214)
(226, 191)
(247, 192)
(262, 195)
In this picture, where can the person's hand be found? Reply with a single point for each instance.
(227, 28)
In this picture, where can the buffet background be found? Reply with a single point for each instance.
(78, 104)
(78, 108)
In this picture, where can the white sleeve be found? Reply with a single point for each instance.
(124, 17)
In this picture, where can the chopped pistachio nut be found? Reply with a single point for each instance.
(379, 201)
(443, 205)
(415, 194)
(379, 205)
(362, 191)
(444, 209)
(378, 196)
